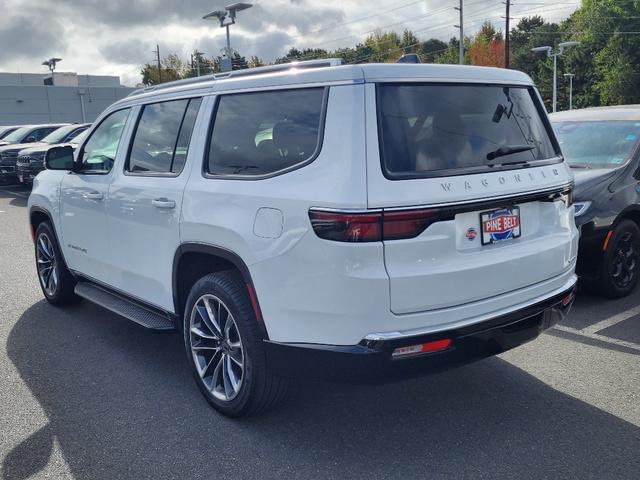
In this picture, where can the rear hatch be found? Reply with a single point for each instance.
(473, 193)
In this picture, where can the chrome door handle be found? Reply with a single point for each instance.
(163, 203)
(94, 195)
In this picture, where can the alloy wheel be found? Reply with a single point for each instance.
(216, 347)
(47, 264)
(624, 261)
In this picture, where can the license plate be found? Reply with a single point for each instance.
(500, 224)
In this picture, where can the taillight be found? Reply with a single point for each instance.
(373, 226)
(347, 227)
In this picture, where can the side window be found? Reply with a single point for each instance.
(73, 134)
(265, 132)
(99, 152)
(161, 140)
(40, 133)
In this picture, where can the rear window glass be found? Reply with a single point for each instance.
(265, 132)
(434, 130)
(597, 144)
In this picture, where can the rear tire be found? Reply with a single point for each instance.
(224, 348)
(621, 261)
(55, 280)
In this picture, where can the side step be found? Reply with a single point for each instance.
(122, 306)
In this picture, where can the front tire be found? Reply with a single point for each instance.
(621, 261)
(224, 348)
(56, 281)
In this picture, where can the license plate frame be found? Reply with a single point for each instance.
(503, 215)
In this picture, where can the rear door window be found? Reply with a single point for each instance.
(429, 130)
(161, 140)
(263, 133)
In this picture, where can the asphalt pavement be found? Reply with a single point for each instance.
(86, 394)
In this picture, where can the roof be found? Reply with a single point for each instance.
(334, 74)
(619, 112)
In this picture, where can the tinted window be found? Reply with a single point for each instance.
(6, 131)
(40, 133)
(428, 130)
(265, 132)
(62, 134)
(99, 153)
(604, 144)
(162, 137)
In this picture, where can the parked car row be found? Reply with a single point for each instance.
(34, 140)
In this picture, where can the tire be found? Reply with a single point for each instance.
(620, 267)
(227, 358)
(55, 280)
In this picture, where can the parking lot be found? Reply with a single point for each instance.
(86, 394)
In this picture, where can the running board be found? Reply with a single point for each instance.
(122, 306)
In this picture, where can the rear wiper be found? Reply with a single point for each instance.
(576, 165)
(508, 150)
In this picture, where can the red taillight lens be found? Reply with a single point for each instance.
(347, 227)
(371, 226)
(420, 348)
(406, 224)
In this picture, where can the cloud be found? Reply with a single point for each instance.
(119, 36)
(27, 36)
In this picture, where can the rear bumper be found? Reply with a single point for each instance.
(371, 361)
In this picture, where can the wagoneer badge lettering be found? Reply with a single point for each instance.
(502, 180)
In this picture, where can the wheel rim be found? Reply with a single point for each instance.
(216, 347)
(47, 264)
(625, 261)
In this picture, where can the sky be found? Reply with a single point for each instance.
(117, 37)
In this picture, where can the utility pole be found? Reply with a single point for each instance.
(506, 35)
(461, 27)
(159, 67)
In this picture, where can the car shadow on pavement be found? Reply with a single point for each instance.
(121, 404)
(18, 197)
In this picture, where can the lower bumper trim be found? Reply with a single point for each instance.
(372, 361)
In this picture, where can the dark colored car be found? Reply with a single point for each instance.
(31, 160)
(7, 129)
(20, 139)
(602, 147)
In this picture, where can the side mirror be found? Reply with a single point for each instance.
(59, 158)
(30, 139)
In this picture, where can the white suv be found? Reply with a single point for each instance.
(357, 222)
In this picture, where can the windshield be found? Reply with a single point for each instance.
(434, 130)
(597, 144)
(78, 139)
(57, 136)
(17, 135)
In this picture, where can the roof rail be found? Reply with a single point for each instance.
(318, 63)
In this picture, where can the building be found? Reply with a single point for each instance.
(31, 98)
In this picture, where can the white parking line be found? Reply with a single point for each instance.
(595, 336)
(611, 321)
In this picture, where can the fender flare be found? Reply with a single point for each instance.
(231, 257)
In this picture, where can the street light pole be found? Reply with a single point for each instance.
(570, 77)
(230, 12)
(550, 53)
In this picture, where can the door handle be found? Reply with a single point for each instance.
(163, 203)
(94, 195)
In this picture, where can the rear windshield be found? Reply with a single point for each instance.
(431, 130)
(17, 135)
(597, 144)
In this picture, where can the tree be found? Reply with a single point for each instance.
(487, 47)
(171, 68)
(430, 49)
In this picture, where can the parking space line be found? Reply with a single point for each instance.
(602, 338)
(611, 321)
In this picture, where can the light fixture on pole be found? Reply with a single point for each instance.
(570, 77)
(226, 18)
(51, 63)
(550, 53)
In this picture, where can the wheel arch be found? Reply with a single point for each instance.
(37, 215)
(631, 212)
(193, 260)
